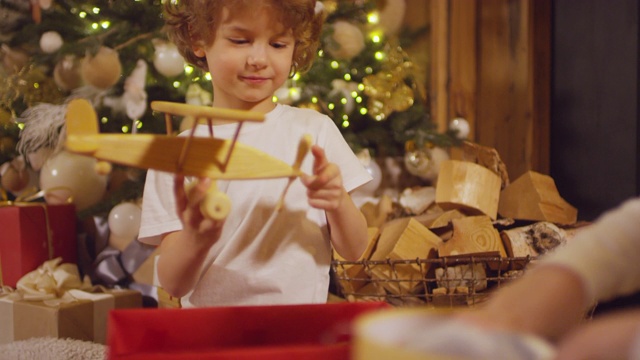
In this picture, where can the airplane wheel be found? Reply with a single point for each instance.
(216, 205)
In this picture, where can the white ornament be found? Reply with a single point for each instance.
(50, 42)
(66, 175)
(348, 41)
(460, 126)
(196, 95)
(418, 162)
(373, 169)
(135, 96)
(392, 16)
(167, 60)
(124, 220)
(438, 155)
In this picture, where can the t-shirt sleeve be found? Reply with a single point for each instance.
(158, 208)
(606, 255)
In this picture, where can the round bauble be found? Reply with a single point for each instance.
(50, 42)
(438, 155)
(376, 174)
(374, 170)
(124, 220)
(65, 174)
(15, 180)
(346, 42)
(102, 70)
(167, 60)
(461, 127)
(66, 73)
(418, 162)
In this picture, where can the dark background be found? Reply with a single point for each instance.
(594, 103)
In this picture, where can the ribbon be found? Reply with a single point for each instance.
(25, 199)
(115, 266)
(55, 283)
(49, 283)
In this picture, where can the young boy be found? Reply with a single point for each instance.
(256, 256)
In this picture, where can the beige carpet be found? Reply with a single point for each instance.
(52, 349)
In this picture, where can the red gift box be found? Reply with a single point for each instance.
(316, 331)
(24, 240)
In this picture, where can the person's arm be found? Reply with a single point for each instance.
(325, 190)
(183, 253)
(601, 262)
(547, 301)
(614, 336)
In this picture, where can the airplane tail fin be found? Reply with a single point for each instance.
(81, 120)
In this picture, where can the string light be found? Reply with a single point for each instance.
(373, 17)
(96, 10)
(125, 128)
(176, 84)
(188, 69)
(104, 120)
(347, 77)
(335, 64)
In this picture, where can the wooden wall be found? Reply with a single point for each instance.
(490, 63)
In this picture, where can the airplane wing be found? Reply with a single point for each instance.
(191, 156)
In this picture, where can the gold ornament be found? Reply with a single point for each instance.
(387, 89)
(31, 85)
(102, 70)
(387, 93)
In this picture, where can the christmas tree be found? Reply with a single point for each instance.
(115, 54)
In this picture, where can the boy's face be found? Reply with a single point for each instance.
(249, 59)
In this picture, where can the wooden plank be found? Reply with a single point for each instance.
(463, 63)
(439, 67)
(505, 100)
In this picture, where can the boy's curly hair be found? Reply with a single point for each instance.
(191, 21)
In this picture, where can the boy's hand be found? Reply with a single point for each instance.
(188, 207)
(324, 188)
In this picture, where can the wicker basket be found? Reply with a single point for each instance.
(441, 282)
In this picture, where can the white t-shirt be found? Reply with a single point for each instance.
(263, 257)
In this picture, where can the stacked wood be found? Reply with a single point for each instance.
(403, 238)
(534, 196)
(478, 232)
(353, 276)
(468, 186)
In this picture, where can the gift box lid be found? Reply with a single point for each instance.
(312, 331)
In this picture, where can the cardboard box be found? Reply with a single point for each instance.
(317, 331)
(24, 242)
(84, 319)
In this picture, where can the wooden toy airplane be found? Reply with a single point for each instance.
(188, 155)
